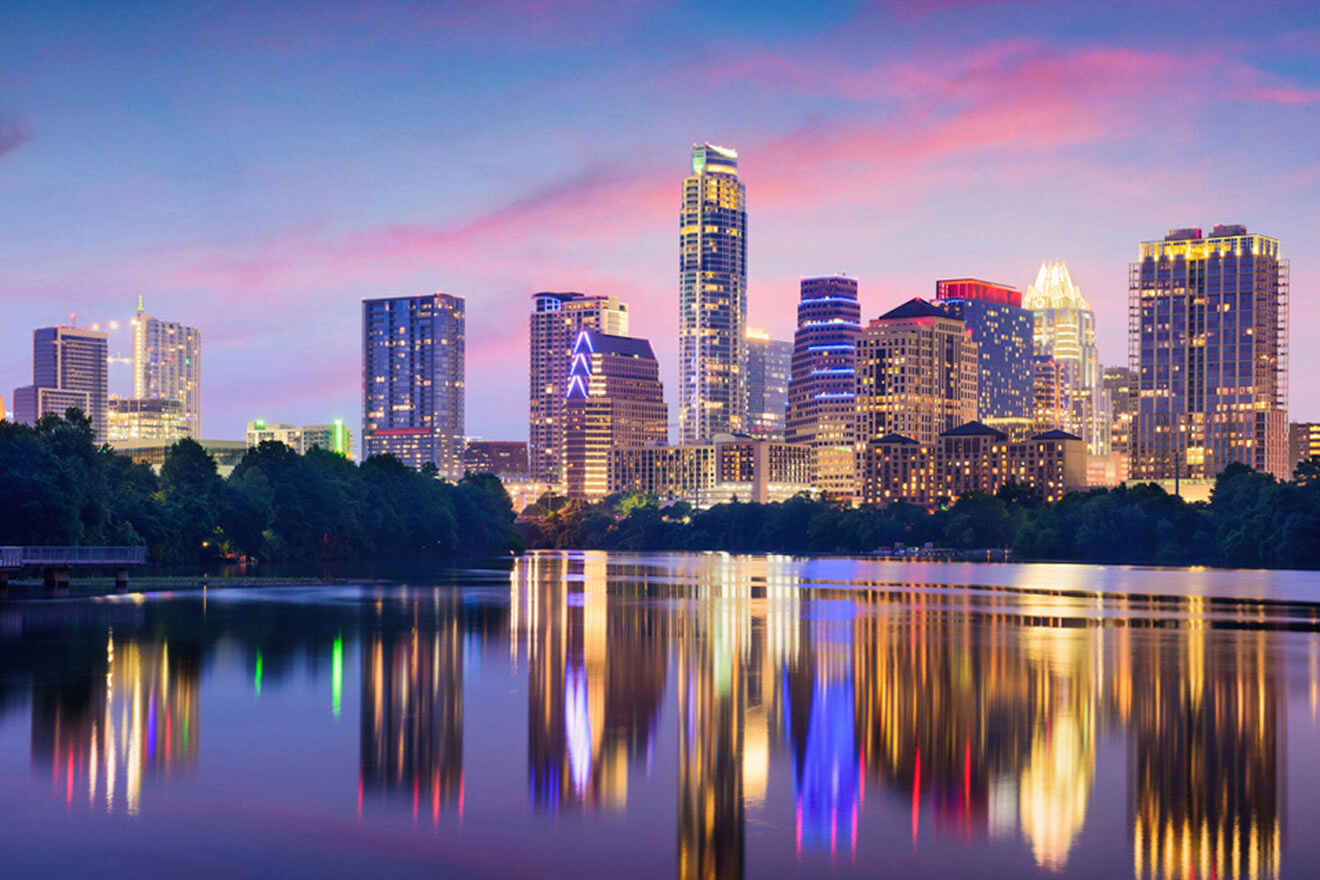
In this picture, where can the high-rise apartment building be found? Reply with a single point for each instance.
(413, 380)
(712, 310)
(1120, 384)
(822, 390)
(1303, 444)
(1002, 331)
(167, 365)
(1065, 331)
(556, 319)
(614, 401)
(68, 370)
(917, 374)
(1208, 319)
(768, 367)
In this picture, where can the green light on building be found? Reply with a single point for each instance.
(337, 673)
(256, 679)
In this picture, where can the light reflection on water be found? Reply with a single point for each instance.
(694, 716)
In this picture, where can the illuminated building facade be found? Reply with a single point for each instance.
(167, 365)
(1002, 331)
(554, 324)
(917, 374)
(132, 418)
(413, 376)
(712, 310)
(970, 458)
(614, 401)
(822, 393)
(1303, 444)
(1208, 335)
(1065, 331)
(68, 370)
(1120, 388)
(1051, 406)
(768, 366)
(334, 437)
(503, 458)
(745, 468)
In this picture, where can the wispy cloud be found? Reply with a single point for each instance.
(13, 135)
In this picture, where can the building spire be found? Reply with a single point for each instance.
(140, 308)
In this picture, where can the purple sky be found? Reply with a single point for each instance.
(256, 169)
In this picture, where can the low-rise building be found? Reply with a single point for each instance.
(227, 453)
(729, 468)
(333, 437)
(503, 458)
(1303, 444)
(970, 458)
(144, 419)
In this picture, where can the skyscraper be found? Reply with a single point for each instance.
(822, 391)
(554, 324)
(68, 370)
(768, 367)
(1120, 385)
(917, 374)
(167, 365)
(413, 369)
(614, 401)
(1065, 330)
(712, 313)
(1208, 319)
(1002, 331)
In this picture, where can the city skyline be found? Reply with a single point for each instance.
(1038, 134)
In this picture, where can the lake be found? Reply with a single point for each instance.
(690, 716)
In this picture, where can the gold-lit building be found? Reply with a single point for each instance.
(970, 458)
(917, 374)
(1303, 444)
(1208, 333)
(712, 308)
(553, 327)
(149, 419)
(742, 468)
(614, 401)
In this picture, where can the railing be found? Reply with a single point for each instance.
(17, 557)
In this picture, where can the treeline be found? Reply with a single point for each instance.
(1251, 521)
(58, 487)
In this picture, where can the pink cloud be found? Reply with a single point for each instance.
(13, 135)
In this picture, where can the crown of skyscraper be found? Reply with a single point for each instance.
(1054, 289)
(714, 159)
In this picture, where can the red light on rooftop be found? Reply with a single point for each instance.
(974, 288)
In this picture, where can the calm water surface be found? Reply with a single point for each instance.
(672, 716)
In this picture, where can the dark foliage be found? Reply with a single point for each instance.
(60, 488)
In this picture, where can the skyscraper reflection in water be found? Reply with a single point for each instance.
(135, 715)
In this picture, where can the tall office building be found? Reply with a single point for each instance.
(712, 313)
(917, 374)
(768, 367)
(1065, 331)
(1208, 334)
(822, 392)
(556, 319)
(413, 380)
(68, 370)
(614, 401)
(167, 365)
(1003, 332)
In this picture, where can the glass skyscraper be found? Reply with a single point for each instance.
(1002, 331)
(1065, 331)
(68, 370)
(553, 327)
(167, 365)
(413, 372)
(712, 313)
(1208, 337)
(822, 391)
(768, 367)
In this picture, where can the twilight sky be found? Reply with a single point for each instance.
(255, 169)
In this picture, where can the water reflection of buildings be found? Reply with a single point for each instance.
(596, 666)
(135, 716)
(411, 743)
(981, 711)
(1206, 760)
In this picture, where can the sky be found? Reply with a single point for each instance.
(256, 169)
